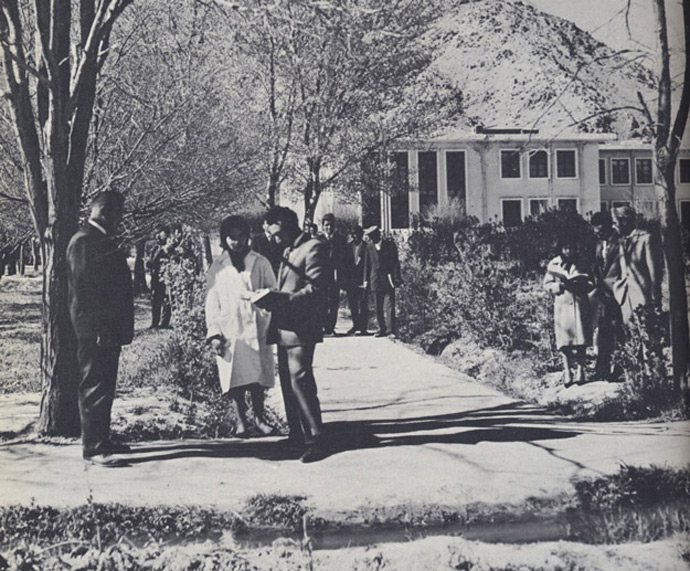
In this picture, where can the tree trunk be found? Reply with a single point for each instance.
(59, 371)
(675, 270)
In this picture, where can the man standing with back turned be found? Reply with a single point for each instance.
(297, 326)
(102, 313)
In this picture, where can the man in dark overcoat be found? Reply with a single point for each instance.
(382, 277)
(102, 313)
(297, 326)
(353, 282)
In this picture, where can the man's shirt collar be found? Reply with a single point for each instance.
(98, 226)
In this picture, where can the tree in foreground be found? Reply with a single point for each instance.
(52, 53)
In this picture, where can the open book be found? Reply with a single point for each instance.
(269, 299)
(575, 282)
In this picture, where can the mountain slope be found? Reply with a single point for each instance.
(519, 67)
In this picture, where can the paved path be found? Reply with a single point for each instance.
(407, 431)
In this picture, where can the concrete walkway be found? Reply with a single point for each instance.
(406, 430)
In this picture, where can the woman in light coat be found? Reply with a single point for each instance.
(569, 284)
(236, 327)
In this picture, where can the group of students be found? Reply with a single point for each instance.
(601, 299)
(282, 287)
(359, 264)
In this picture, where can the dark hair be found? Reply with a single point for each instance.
(108, 200)
(284, 216)
(233, 223)
(357, 231)
(328, 218)
(601, 219)
(567, 240)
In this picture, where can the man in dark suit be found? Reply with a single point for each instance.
(607, 318)
(297, 326)
(353, 282)
(263, 245)
(160, 300)
(382, 276)
(336, 257)
(102, 313)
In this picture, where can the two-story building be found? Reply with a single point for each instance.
(509, 174)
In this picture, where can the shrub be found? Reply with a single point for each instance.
(648, 387)
(635, 504)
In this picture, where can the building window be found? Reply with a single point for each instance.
(428, 181)
(620, 171)
(511, 211)
(537, 206)
(684, 170)
(510, 164)
(602, 171)
(685, 213)
(643, 171)
(567, 204)
(566, 164)
(538, 164)
(455, 175)
(400, 191)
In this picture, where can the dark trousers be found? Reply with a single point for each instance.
(332, 305)
(302, 407)
(609, 336)
(385, 310)
(358, 300)
(98, 372)
(160, 306)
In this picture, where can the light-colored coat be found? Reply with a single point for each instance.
(639, 279)
(229, 314)
(571, 310)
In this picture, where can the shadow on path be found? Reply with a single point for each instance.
(504, 423)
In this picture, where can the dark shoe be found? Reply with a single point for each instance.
(314, 453)
(105, 460)
(244, 434)
(380, 333)
(117, 448)
(328, 332)
(392, 336)
(363, 333)
(351, 331)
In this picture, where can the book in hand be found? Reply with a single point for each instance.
(578, 282)
(269, 299)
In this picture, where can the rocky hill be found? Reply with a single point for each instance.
(519, 67)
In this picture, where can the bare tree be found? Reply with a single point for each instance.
(51, 94)
(668, 133)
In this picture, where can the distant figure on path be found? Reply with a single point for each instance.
(569, 283)
(606, 313)
(353, 282)
(160, 300)
(336, 254)
(262, 244)
(237, 329)
(102, 313)
(297, 326)
(638, 282)
(382, 276)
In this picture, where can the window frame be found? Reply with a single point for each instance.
(575, 198)
(680, 178)
(466, 174)
(500, 163)
(613, 182)
(530, 154)
(651, 172)
(513, 199)
(603, 182)
(537, 199)
(576, 164)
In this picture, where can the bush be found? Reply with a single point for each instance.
(636, 504)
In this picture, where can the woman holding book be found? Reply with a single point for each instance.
(569, 284)
(236, 327)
